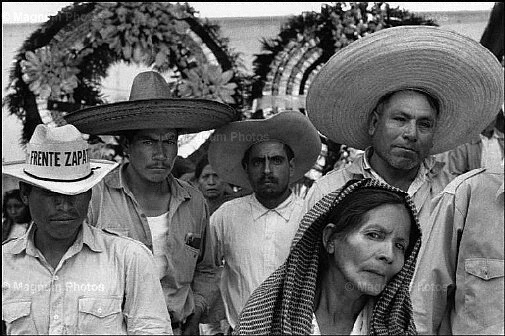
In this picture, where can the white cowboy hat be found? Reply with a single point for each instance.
(151, 106)
(57, 160)
(229, 144)
(464, 77)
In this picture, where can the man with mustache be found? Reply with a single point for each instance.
(64, 276)
(403, 94)
(142, 200)
(253, 234)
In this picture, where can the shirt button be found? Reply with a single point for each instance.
(99, 310)
(56, 278)
(56, 317)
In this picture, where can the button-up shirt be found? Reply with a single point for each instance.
(430, 180)
(189, 274)
(253, 241)
(104, 284)
(459, 285)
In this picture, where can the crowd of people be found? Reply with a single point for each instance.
(406, 239)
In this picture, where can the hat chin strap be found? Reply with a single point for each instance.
(57, 180)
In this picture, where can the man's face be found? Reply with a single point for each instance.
(269, 169)
(56, 215)
(402, 135)
(152, 153)
(210, 184)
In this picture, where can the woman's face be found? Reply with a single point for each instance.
(370, 256)
(16, 210)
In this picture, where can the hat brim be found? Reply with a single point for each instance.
(229, 144)
(186, 115)
(465, 78)
(100, 168)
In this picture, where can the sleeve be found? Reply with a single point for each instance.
(144, 304)
(205, 281)
(433, 285)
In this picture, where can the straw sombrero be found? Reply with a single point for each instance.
(465, 78)
(151, 106)
(229, 144)
(57, 160)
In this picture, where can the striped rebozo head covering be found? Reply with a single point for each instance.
(284, 303)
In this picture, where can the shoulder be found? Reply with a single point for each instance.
(121, 243)
(230, 207)
(465, 179)
(190, 189)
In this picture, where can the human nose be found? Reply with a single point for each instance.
(267, 168)
(386, 252)
(212, 180)
(159, 151)
(63, 202)
(410, 130)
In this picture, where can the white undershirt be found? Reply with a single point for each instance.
(159, 230)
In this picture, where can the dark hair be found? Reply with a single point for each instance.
(14, 194)
(385, 99)
(289, 153)
(204, 161)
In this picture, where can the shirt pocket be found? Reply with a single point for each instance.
(18, 318)
(182, 263)
(484, 290)
(100, 316)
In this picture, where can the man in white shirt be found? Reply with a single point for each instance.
(253, 234)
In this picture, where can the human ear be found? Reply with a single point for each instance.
(372, 122)
(328, 241)
(24, 191)
(291, 167)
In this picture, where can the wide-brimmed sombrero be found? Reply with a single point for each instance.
(229, 144)
(57, 160)
(464, 77)
(151, 106)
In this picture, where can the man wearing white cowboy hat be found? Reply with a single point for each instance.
(253, 234)
(141, 199)
(402, 94)
(64, 276)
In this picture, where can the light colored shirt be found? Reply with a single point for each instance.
(253, 241)
(431, 180)
(459, 285)
(18, 230)
(104, 284)
(189, 278)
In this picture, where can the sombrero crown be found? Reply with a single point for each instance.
(58, 160)
(151, 106)
(229, 144)
(464, 77)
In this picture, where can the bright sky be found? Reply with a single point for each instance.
(33, 12)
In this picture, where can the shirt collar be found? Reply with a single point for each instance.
(85, 236)
(116, 179)
(284, 209)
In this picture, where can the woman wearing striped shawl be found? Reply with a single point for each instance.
(348, 271)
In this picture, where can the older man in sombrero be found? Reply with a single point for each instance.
(403, 94)
(141, 198)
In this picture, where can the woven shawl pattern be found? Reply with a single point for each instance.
(283, 304)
